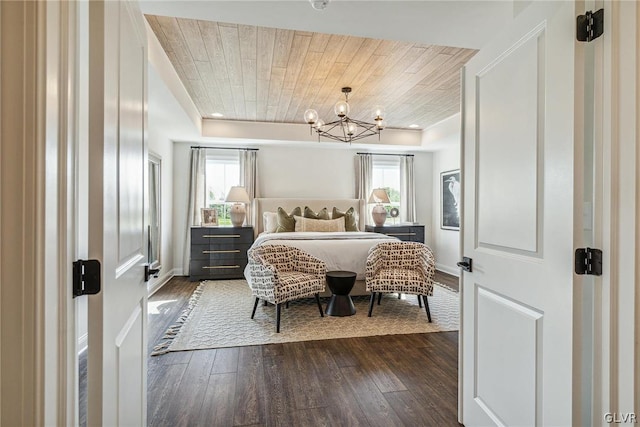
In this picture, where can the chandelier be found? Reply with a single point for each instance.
(345, 129)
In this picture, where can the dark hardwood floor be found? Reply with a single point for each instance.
(392, 380)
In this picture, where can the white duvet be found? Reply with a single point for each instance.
(339, 250)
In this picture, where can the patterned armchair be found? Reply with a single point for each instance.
(402, 267)
(279, 274)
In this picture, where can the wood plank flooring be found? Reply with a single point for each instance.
(392, 380)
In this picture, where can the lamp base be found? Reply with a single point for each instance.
(237, 214)
(379, 214)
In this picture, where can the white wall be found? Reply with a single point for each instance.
(446, 243)
(305, 171)
(167, 120)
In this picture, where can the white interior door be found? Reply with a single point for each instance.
(117, 181)
(518, 154)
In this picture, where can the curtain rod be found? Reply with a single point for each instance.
(387, 154)
(225, 148)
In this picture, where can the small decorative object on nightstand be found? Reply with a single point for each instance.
(379, 213)
(405, 232)
(219, 252)
(239, 196)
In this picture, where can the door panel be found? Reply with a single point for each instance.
(502, 321)
(131, 118)
(517, 170)
(117, 232)
(508, 198)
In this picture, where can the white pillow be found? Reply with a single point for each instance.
(308, 224)
(269, 222)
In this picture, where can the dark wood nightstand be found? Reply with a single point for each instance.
(219, 252)
(405, 232)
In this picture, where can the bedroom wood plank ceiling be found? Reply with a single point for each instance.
(253, 73)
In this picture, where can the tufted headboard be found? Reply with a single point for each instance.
(261, 205)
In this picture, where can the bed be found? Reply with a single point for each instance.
(339, 250)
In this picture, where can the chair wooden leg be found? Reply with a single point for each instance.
(255, 305)
(419, 301)
(286, 304)
(265, 303)
(373, 298)
(319, 305)
(379, 297)
(278, 307)
(399, 295)
(426, 307)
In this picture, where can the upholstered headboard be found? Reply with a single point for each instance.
(262, 205)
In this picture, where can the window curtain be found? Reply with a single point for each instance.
(364, 171)
(249, 179)
(407, 190)
(196, 201)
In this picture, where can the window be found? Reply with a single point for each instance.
(222, 171)
(386, 174)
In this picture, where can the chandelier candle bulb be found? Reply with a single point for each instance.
(311, 116)
(378, 113)
(341, 109)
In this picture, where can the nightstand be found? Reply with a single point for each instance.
(405, 232)
(219, 252)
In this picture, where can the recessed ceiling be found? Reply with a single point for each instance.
(254, 73)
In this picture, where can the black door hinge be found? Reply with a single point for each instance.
(86, 277)
(590, 26)
(589, 261)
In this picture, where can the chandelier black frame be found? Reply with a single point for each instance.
(345, 129)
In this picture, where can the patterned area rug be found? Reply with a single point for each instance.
(219, 315)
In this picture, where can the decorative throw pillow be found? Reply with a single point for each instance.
(322, 214)
(308, 224)
(286, 222)
(350, 218)
(269, 222)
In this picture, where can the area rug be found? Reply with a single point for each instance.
(219, 315)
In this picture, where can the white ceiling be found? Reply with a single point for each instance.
(468, 24)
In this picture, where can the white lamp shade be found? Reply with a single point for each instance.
(237, 194)
(379, 195)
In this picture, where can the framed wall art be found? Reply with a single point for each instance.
(450, 200)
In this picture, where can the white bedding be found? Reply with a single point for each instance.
(339, 250)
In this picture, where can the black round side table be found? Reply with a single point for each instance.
(340, 283)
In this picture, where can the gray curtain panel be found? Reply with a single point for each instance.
(407, 190)
(195, 201)
(249, 179)
(364, 170)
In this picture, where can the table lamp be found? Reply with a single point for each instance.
(238, 195)
(379, 213)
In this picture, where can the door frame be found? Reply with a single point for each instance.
(617, 364)
(37, 113)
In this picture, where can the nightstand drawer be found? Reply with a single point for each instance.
(205, 252)
(203, 236)
(217, 269)
(407, 233)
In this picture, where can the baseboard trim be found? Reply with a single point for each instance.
(454, 271)
(156, 284)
